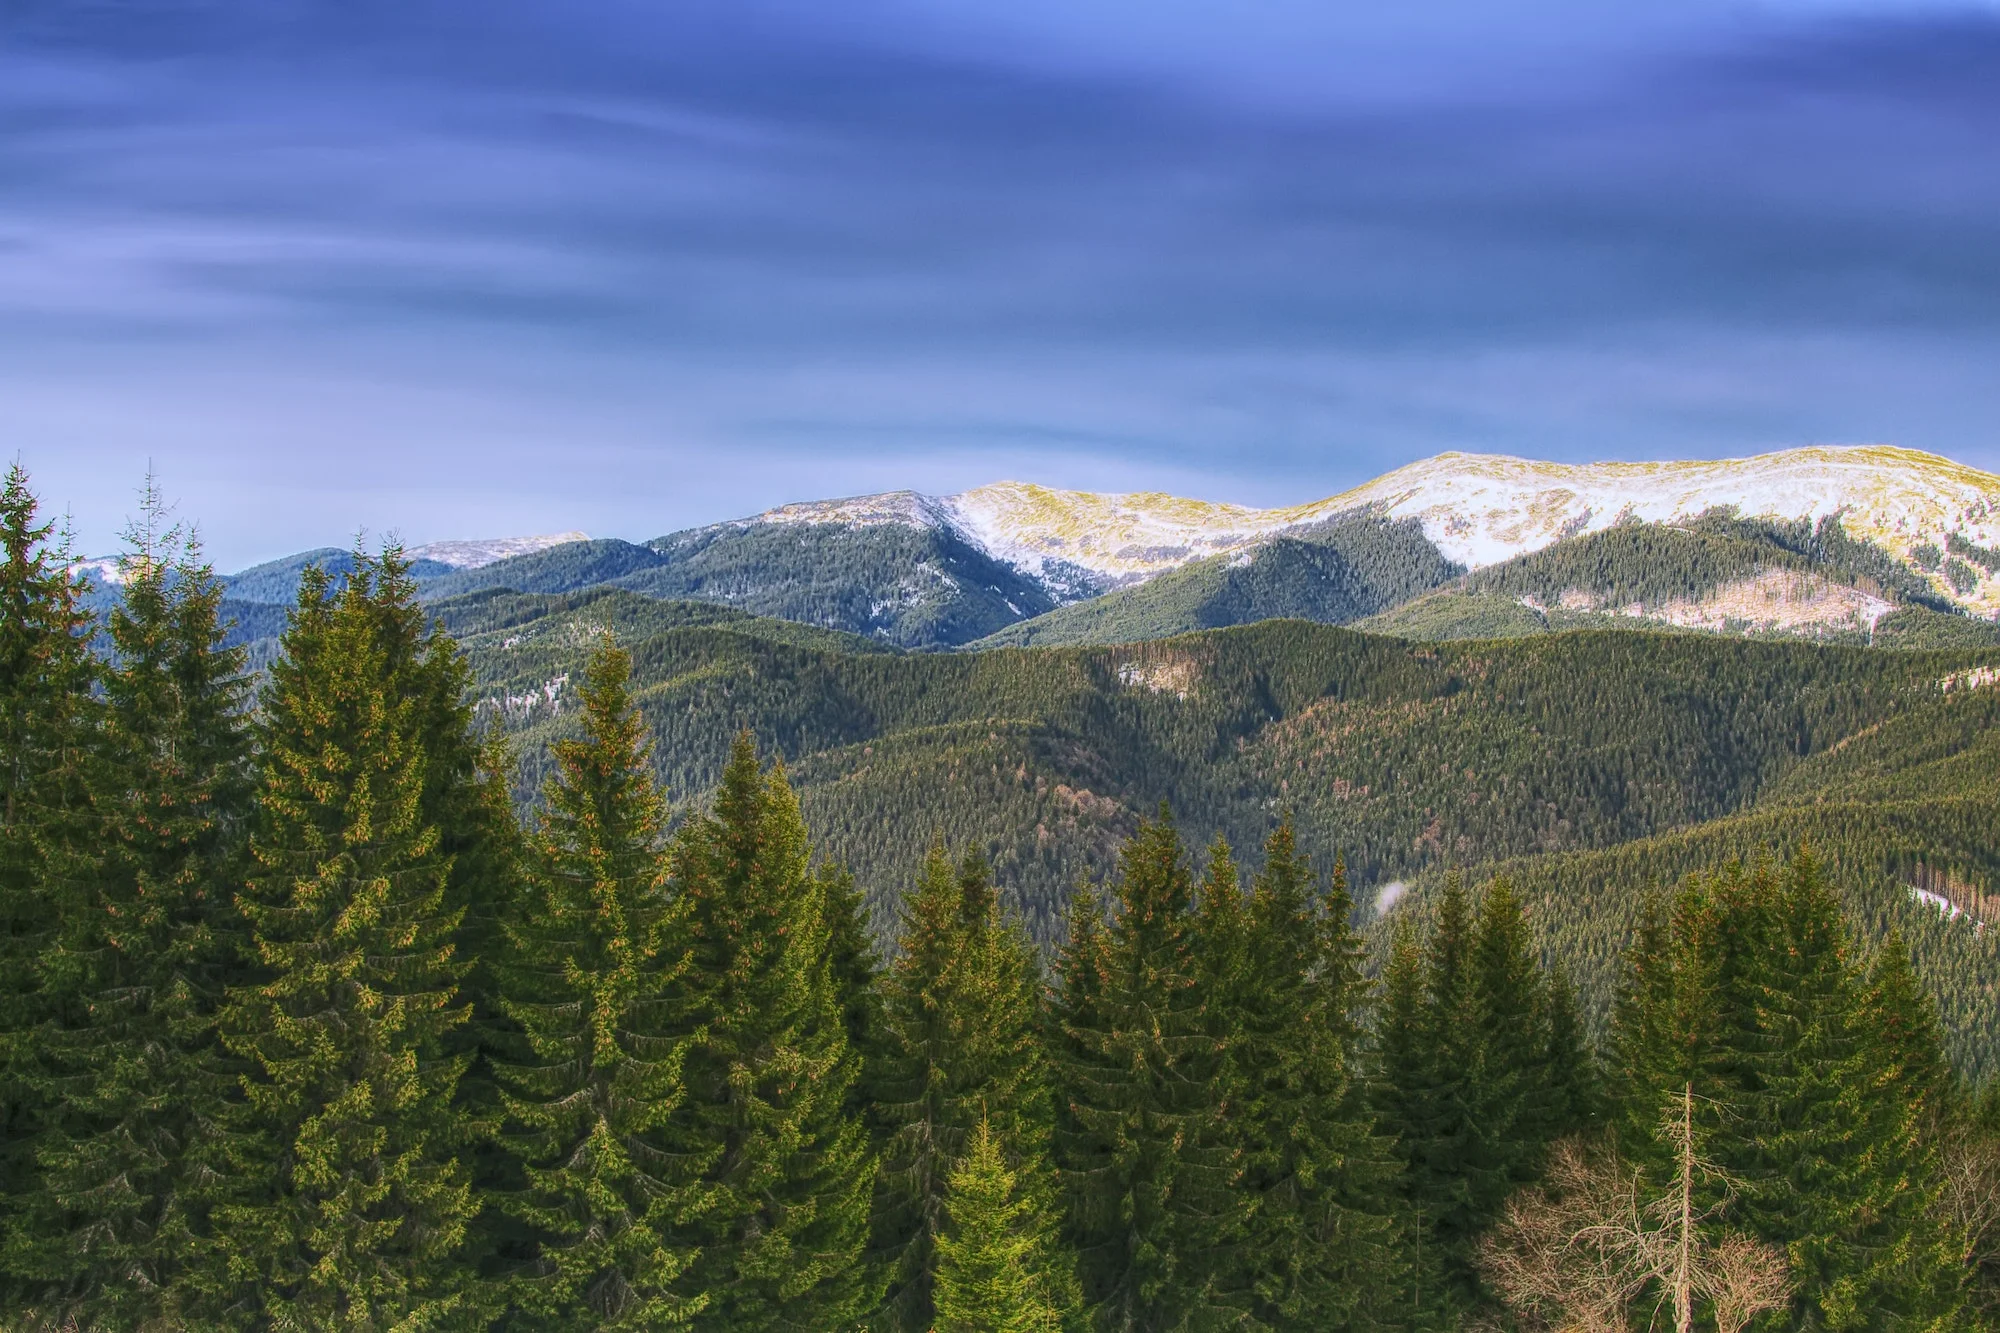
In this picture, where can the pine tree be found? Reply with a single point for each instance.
(1140, 1142)
(1323, 1246)
(595, 978)
(961, 1011)
(144, 943)
(46, 727)
(350, 1200)
(768, 1114)
(998, 1270)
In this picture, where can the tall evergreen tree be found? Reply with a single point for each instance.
(998, 1270)
(1837, 1171)
(783, 1243)
(144, 943)
(1517, 1102)
(1807, 1086)
(1141, 1143)
(46, 725)
(1324, 1248)
(1432, 1090)
(960, 1004)
(350, 1197)
(595, 977)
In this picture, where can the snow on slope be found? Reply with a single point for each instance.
(473, 554)
(1479, 509)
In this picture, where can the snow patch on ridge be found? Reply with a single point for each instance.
(473, 554)
(1478, 509)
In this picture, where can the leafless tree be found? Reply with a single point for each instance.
(1580, 1251)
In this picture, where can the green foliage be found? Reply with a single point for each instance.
(347, 1200)
(595, 980)
(1324, 1242)
(998, 1266)
(960, 1013)
(1985, 557)
(1142, 1145)
(1814, 1085)
(1467, 1054)
(132, 1067)
(1338, 571)
(767, 1116)
(46, 718)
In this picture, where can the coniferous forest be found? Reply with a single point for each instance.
(311, 1019)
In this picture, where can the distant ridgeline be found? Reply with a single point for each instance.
(1878, 546)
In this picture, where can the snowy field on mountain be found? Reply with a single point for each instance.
(1478, 509)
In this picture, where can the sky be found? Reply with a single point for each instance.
(450, 270)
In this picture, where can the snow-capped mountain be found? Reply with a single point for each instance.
(1479, 509)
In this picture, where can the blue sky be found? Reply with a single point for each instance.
(456, 269)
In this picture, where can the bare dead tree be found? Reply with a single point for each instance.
(1742, 1278)
(1580, 1251)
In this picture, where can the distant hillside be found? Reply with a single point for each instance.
(1333, 572)
(915, 587)
(1718, 573)
(1406, 758)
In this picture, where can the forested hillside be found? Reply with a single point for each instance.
(1720, 572)
(1571, 751)
(318, 1013)
(1337, 571)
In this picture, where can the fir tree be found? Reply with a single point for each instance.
(350, 1201)
(46, 725)
(1141, 1143)
(783, 1241)
(596, 980)
(997, 1269)
(960, 1004)
(1323, 1246)
(144, 943)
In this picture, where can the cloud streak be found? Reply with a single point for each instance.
(679, 248)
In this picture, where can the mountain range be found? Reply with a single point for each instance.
(1722, 691)
(1867, 545)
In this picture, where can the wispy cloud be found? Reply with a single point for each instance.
(681, 248)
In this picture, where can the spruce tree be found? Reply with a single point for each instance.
(1323, 1247)
(1838, 1172)
(1433, 1093)
(1141, 1145)
(1808, 1088)
(998, 1270)
(595, 978)
(349, 1197)
(47, 724)
(783, 1239)
(1518, 1102)
(961, 1011)
(144, 943)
